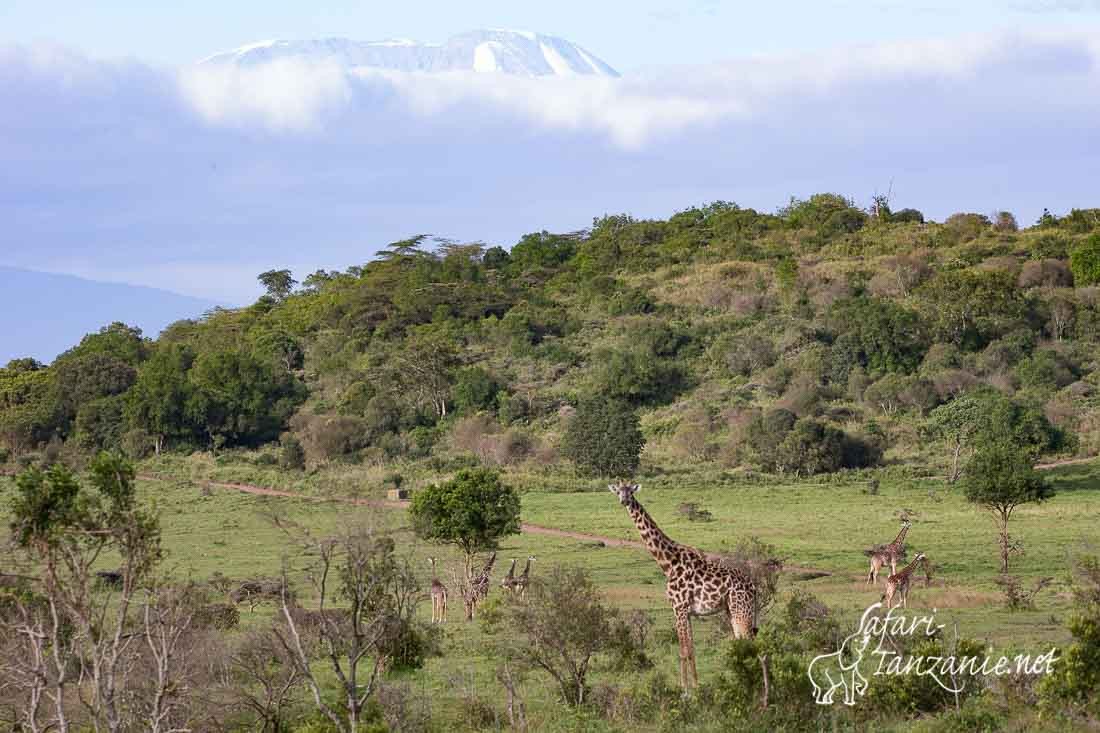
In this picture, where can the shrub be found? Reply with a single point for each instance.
(810, 447)
(1045, 273)
(603, 438)
(1005, 222)
(637, 375)
(764, 434)
(292, 456)
(965, 227)
(475, 389)
(1044, 370)
(910, 216)
(1084, 261)
(1076, 677)
(803, 395)
(745, 355)
(326, 437)
(557, 627)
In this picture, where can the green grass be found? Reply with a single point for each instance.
(812, 525)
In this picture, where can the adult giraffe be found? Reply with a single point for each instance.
(697, 586)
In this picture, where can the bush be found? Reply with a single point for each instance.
(908, 216)
(475, 389)
(745, 355)
(637, 375)
(810, 447)
(1005, 222)
(557, 627)
(1045, 273)
(604, 439)
(327, 437)
(764, 434)
(1084, 261)
(292, 456)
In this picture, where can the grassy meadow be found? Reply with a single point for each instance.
(817, 527)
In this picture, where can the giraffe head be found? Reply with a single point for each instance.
(624, 490)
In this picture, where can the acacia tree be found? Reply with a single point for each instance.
(277, 283)
(424, 367)
(471, 511)
(361, 568)
(956, 423)
(557, 627)
(63, 528)
(1000, 478)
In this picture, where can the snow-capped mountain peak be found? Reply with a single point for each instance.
(523, 53)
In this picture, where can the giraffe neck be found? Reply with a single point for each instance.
(909, 568)
(901, 535)
(527, 567)
(656, 541)
(512, 570)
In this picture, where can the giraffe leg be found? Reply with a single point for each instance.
(683, 633)
(692, 671)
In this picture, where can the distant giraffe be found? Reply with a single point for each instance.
(888, 554)
(439, 596)
(899, 582)
(524, 579)
(478, 587)
(697, 586)
(508, 582)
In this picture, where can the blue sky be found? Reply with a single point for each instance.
(122, 162)
(629, 35)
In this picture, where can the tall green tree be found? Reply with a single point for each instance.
(1000, 478)
(236, 399)
(278, 283)
(471, 511)
(158, 400)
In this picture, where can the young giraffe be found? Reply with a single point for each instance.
(439, 597)
(898, 583)
(888, 554)
(697, 586)
(524, 579)
(478, 587)
(508, 582)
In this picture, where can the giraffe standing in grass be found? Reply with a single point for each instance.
(898, 583)
(478, 587)
(508, 582)
(439, 596)
(697, 586)
(521, 583)
(882, 555)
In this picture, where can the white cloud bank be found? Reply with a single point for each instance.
(289, 95)
(130, 172)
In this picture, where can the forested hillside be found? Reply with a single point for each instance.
(817, 338)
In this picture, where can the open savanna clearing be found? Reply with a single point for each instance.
(821, 527)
